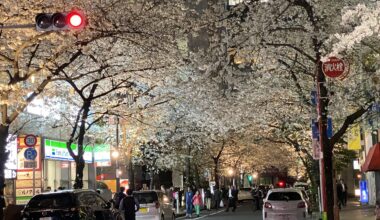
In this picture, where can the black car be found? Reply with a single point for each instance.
(69, 204)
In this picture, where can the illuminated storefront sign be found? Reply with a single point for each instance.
(363, 192)
(102, 155)
(57, 150)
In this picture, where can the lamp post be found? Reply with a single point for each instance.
(255, 176)
(231, 173)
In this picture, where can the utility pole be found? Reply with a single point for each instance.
(117, 160)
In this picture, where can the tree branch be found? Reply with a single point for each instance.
(349, 121)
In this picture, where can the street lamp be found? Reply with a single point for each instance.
(115, 154)
(231, 173)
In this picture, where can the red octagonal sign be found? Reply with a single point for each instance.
(335, 68)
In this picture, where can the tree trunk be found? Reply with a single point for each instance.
(131, 174)
(79, 173)
(197, 177)
(151, 173)
(216, 172)
(80, 161)
(4, 132)
(187, 172)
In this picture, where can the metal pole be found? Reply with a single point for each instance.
(321, 161)
(117, 161)
(17, 26)
(34, 177)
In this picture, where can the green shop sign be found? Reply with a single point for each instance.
(57, 150)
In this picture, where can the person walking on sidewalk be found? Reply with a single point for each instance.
(189, 202)
(197, 202)
(217, 198)
(344, 192)
(118, 197)
(208, 198)
(129, 205)
(232, 197)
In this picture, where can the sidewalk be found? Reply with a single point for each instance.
(355, 211)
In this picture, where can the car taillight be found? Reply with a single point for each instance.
(267, 205)
(157, 205)
(301, 205)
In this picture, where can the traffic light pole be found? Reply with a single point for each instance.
(321, 160)
(17, 26)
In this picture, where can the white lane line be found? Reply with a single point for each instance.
(204, 216)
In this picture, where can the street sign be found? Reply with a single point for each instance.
(30, 154)
(335, 68)
(30, 140)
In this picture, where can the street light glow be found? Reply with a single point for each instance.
(230, 172)
(254, 175)
(115, 154)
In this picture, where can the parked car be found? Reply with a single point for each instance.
(154, 205)
(301, 185)
(69, 204)
(104, 191)
(245, 194)
(284, 203)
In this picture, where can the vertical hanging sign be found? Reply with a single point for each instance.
(354, 138)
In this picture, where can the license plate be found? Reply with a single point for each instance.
(284, 217)
(46, 218)
(143, 210)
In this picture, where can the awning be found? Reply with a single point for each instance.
(372, 161)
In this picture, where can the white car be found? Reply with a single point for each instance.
(154, 205)
(284, 204)
(245, 194)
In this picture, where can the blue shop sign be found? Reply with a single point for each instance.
(363, 191)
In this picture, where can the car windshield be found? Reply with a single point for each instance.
(146, 197)
(284, 196)
(51, 201)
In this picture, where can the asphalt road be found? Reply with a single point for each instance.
(244, 211)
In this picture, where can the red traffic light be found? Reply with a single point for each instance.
(75, 19)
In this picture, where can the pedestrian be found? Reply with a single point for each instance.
(258, 195)
(232, 195)
(189, 203)
(2, 204)
(118, 197)
(344, 192)
(197, 202)
(174, 197)
(180, 194)
(341, 190)
(129, 205)
(208, 198)
(217, 198)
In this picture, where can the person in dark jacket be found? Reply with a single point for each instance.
(189, 202)
(118, 197)
(217, 198)
(130, 206)
(232, 198)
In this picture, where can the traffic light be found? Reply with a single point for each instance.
(249, 178)
(74, 20)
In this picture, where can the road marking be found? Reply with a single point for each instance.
(204, 216)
